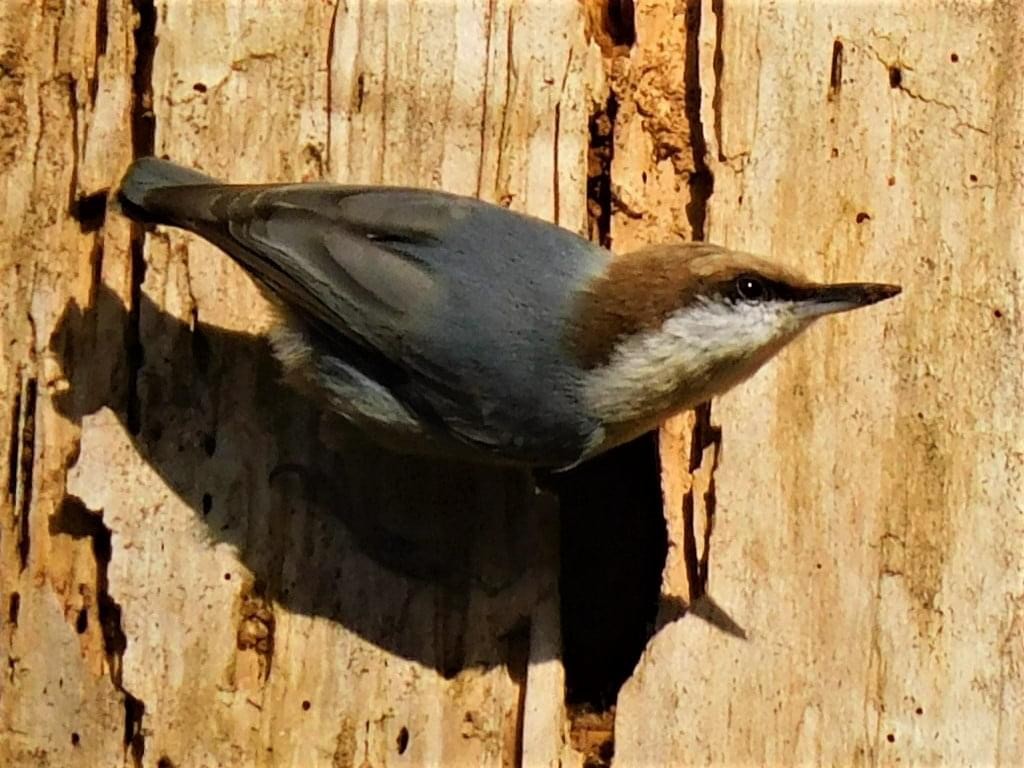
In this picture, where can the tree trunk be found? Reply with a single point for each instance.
(198, 569)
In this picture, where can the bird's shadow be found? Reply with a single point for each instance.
(437, 562)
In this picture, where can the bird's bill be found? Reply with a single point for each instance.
(842, 297)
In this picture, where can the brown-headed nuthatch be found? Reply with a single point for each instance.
(445, 325)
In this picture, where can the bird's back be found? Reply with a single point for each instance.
(457, 306)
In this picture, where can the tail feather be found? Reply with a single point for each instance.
(148, 175)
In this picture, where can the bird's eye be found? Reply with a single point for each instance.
(750, 288)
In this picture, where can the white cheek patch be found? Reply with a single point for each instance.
(646, 371)
(719, 330)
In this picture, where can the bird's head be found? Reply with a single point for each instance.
(695, 319)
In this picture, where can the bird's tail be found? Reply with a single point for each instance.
(143, 190)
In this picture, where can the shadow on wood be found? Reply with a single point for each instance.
(437, 562)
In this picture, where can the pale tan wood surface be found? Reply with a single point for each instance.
(268, 590)
(196, 569)
(867, 504)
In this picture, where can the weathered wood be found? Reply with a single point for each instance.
(207, 574)
(867, 504)
(197, 569)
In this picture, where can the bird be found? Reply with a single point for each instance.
(444, 325)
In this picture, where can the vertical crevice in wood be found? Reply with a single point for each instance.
(517, 659)
(718, 66)
(102, 32)
(143, 133)
(14, 441)
(25, 468)
(703, 436)
(329, 90)
(599, 171)
(835, 78)
(701, 180)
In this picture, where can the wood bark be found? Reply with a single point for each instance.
(859, 598)
(197, 568)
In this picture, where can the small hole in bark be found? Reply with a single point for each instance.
(82, 621)
(14, 607)
(919, 711)
(997, 313)
(199, 87)
(891, 738)
(403, 740)
(835, 152)
(75, 739)
(892, 181)
(973, 177)
(895, 77)
(90, 211)
(227, 577)
(306, 705)
(862, 217)
(954, 58)
(164, 762)
(621, 26)
(835, 80)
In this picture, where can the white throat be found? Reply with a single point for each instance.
(700, 351)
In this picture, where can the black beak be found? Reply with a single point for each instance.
(842, 297)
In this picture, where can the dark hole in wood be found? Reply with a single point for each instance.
(621, 24)
(613, 549)
(90, 211)
(403, 740)
(835, 80)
